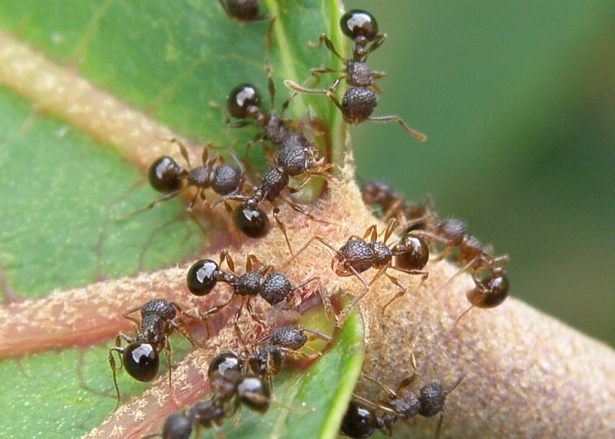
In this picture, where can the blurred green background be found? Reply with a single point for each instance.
(518, 100)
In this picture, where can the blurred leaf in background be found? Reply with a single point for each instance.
(518, 100)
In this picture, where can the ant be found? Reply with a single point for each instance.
(141, 356)
(167, 176)
(358, 255)
(391, 204)
(361, 95)
(243, 10)
(490, 279)
(273, 286)
(400, 404)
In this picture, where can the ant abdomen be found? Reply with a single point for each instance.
(202, 277)
(243, 101)
(165, 175)
(359, 23)
(226, 179)
(177, 426)
(254, 392)
(251, 220)
(358, 422)
(141, 361)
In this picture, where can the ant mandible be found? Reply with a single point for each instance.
(141, 356)
(361, 96)
(273, 286)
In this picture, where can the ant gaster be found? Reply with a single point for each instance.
(361, 96)
(140, 357)
(274, 287)
(358, 255)
(242, 10)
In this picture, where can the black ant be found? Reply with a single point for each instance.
(391, 204)
(364, 416)
(358, 255)
(273, 286)
(361, 95)
(167, 176)
(243, 10)
(490, 279)
(140, 357)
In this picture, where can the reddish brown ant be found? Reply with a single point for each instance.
(141, 356)
(358, 255)
(273, 286)
(361, 95)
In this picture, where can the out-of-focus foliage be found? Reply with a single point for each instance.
(518, 99)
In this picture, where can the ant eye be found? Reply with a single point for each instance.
(359, 23)
(241, 99)
(141, 361)
(164, 174)
(202, 277)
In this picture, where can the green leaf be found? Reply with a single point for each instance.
(62, 188)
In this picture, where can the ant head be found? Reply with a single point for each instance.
(411, 253)
(224, 365)
(202, 277)
(226, 179)
(358, 421)
(359, 25)
(254, 392)
(141, 361)
(242, 10)
(165, 174)
(251, 220)
(432, 399)
(243, 101)
(177, 426)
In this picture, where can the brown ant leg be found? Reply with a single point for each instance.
(149, 206)
(130, 311)
(329, 92)
(466, 311)
(394, 118)
(323, 38)
(120, 350)
(324, 298)
(253, 315)
(397, 295)
(306, 245)
(169, 354)
(282, 227)
(378, 74)
(379, 39)
(297, 208)
(182, 150)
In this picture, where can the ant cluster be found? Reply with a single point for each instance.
(244, 378)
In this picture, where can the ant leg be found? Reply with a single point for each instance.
(149, 206)
(297, 208)
(215, 309)
(329, 92)
(340, 320)
(253, 315)
(117, 348)
(325, 39)
(397, 295)
(282, 227)
(386, 389)
(268, 68)
(393, 118)
(324, 298)
(306, 245)
(371, 232)
(378, 74)
(377, 43)
(130, 311)
(182, 150)
(168, 353)
(467, 310)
